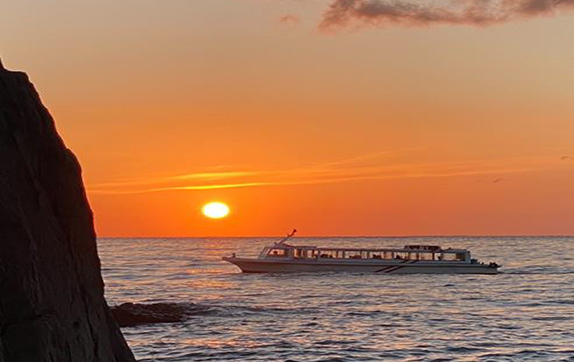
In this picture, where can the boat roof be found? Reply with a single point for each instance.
(407, 248)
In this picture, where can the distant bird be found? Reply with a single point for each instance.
(495, 181)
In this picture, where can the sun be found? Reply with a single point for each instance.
(215, 210)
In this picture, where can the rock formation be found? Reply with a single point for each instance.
(130, 314)
(52, 305)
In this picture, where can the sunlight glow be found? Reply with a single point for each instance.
(215, 210)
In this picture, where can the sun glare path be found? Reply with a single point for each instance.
(215, 210)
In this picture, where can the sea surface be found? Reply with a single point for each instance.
(526, 313)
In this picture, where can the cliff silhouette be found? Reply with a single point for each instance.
(52, 305)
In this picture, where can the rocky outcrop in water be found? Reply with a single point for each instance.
(130, 314)
(134, 314)
(52, 305)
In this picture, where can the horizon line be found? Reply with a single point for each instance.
(343, 236)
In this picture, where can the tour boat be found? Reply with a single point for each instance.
(412, 259)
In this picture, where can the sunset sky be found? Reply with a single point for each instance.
(334, 117)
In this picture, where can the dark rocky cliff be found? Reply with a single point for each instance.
(52, 305)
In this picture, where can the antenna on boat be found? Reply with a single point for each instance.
(289, 236)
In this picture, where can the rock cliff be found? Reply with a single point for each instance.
(52, 305)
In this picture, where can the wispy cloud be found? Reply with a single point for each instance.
(366, 167)
(289, 19)
(443, 12)
(203, 176)
(124, 191)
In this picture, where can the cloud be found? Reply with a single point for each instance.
(202, 176)
(289, 19)
(375, 166)
(414, 13)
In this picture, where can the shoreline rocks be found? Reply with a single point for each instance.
(130, 314)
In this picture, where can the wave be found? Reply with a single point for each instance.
(539, 269)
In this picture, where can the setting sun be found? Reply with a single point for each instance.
(215, 210)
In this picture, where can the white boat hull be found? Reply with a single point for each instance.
(364, 266)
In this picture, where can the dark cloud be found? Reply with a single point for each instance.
(448, 12)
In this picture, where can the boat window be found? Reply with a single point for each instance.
(453, 256)
(402, 256)
(354, 254)
(460, 256)
(277, 253)
(299, 253)
(425, 256)
(328, 254)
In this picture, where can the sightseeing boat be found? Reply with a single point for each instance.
(411, 259)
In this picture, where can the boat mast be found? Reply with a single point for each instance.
(289, 236)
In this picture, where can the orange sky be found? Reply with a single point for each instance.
(365, 129)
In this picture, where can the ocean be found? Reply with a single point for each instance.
(526, 313)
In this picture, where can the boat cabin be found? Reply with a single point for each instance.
(409, 252)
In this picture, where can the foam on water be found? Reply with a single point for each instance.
(524, 314)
